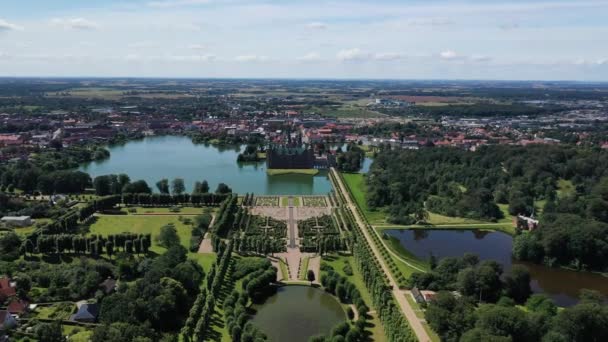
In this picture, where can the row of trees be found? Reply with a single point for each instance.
(259, 276)
(94, 245)
(225, 216)
(120, 184)
(215, 279)
(208, 199)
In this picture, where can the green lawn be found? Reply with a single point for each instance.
(565, 188)
(356, 184)
(140, 224)
(338, 262)
(77, 334)
(276, 172)
(304, 268)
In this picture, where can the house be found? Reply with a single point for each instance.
(87, 313)
(418, 297)
(108, 286)
(17, 306)
(522, 221)
(428, 295)
(7, 289)
(17, 221)
(7, 321)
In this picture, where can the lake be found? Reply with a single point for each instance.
(295, 313)
(155, 158)
(561, 285)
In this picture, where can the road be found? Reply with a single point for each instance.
(291, 222)
(404, 305)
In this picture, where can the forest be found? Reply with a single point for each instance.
(455, 182)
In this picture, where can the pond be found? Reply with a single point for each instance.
(155, 158)
(295, 313)
(561, 285)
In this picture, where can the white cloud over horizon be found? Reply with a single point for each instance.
(545, 39)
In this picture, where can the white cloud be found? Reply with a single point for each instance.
(316, 25)
(177, 3)
(310, 57)
(388, 56)
(449, 55)
(355, 54)
(75, 23)
(603, 61)
(251, 58)
(143, 45)
(193, 58)
(481, 58)
(6, 26)
(197, 47)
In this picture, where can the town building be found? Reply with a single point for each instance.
(17, 221)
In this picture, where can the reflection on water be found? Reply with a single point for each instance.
(295, 313)
(155, 158)
(561, 285)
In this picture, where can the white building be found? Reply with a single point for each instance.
(17, 221)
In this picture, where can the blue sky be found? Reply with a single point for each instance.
(492, 39)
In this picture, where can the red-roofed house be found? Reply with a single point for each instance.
(17, 306)
(7, 289)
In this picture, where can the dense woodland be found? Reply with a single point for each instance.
(574, 224)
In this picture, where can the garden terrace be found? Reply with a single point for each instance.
(320, 234)
(267, 201)
(314, 201)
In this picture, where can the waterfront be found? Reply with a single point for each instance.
(560, 284)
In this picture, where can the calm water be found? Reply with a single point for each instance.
(296, 313)
(561, 285)
(154, 158)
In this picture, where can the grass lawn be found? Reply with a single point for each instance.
(276, 172)
(565, 188)
(338, 262)
(59, 311)
(304, 268)
(437, 219)
(284, 201)
(356, 184)
(77, 334)
(140, 224)
(395, 246)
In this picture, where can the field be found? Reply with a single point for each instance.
(277, 172)
(356, 184)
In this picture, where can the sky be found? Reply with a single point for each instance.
(352, 39)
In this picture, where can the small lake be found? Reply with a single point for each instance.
(295, 313)
(155, 158)
(561, 285)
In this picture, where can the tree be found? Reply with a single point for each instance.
(10, 243)
(177, 186)
(109, 248)
(517, 283)
(49, 332)
(223, 189)
(137, 187)
(163, 186)
(310, 276)
(102, 185)
(168, 236)
(201, 187)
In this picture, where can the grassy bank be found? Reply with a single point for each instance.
(356, 184)
(276, 172)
